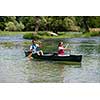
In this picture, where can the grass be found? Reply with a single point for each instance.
(7, 33)
(91, 34)
(46, 35)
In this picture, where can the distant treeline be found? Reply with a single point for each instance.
(49, 23)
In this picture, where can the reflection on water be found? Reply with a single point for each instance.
(89, 72)
(15, 67)
(45, 72)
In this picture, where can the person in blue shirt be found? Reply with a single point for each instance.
(35, 49)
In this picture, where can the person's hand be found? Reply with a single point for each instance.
(67, 49)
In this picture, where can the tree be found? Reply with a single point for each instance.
(37, 23)
(56, 23)
(2, 22)
(83, 22)
(45, 23)
(69, 23)
(94, 21)
(20, 26)
(10, 26)
(28, 21)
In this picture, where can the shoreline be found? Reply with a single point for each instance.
(45, 35)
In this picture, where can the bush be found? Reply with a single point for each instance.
(2, 26)
(61, 33)
(75, 28)
(95, 34)
(20, 26)
(43, 34)
(10, 26)
(38, 35)
(31, 36)
(14, 26)
(88, 34)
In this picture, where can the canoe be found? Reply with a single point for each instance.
(55, 57)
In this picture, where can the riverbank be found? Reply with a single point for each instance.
(46, 35)
(7, 33)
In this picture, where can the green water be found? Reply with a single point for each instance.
(16, 68)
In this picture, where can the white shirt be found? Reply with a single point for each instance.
(60, 48)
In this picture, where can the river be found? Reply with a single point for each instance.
(16, 68)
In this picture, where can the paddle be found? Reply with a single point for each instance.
(68, 49)
(67, 46)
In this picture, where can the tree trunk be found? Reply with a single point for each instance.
(47, 27)
(37, 23)
(86, 26)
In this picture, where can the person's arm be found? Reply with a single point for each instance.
(31, 48)
(60, 48)
(63, 48)
(37, 45)
(66, 48)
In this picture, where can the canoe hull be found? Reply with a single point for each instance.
(55, 57)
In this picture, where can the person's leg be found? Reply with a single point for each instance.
(30, 56)
(38, 53)
(41, 52)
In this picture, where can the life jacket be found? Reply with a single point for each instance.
(35, 48)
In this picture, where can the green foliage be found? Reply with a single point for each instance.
(43, 33)
(28, 36)
(94, 21)
(49, 23)
(61, 33)
(29, 22)
(2, 26)
(20, 26)
(83, 22)
(31, 36)
(10, 26)
(10, 33)
(69, 23)
(89, 34)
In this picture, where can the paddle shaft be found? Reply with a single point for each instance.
(69, 50)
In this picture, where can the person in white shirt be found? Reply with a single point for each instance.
(35, 49)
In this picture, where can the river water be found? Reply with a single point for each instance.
(16, 68)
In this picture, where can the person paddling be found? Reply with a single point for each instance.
(35, 49)
(61, 49)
